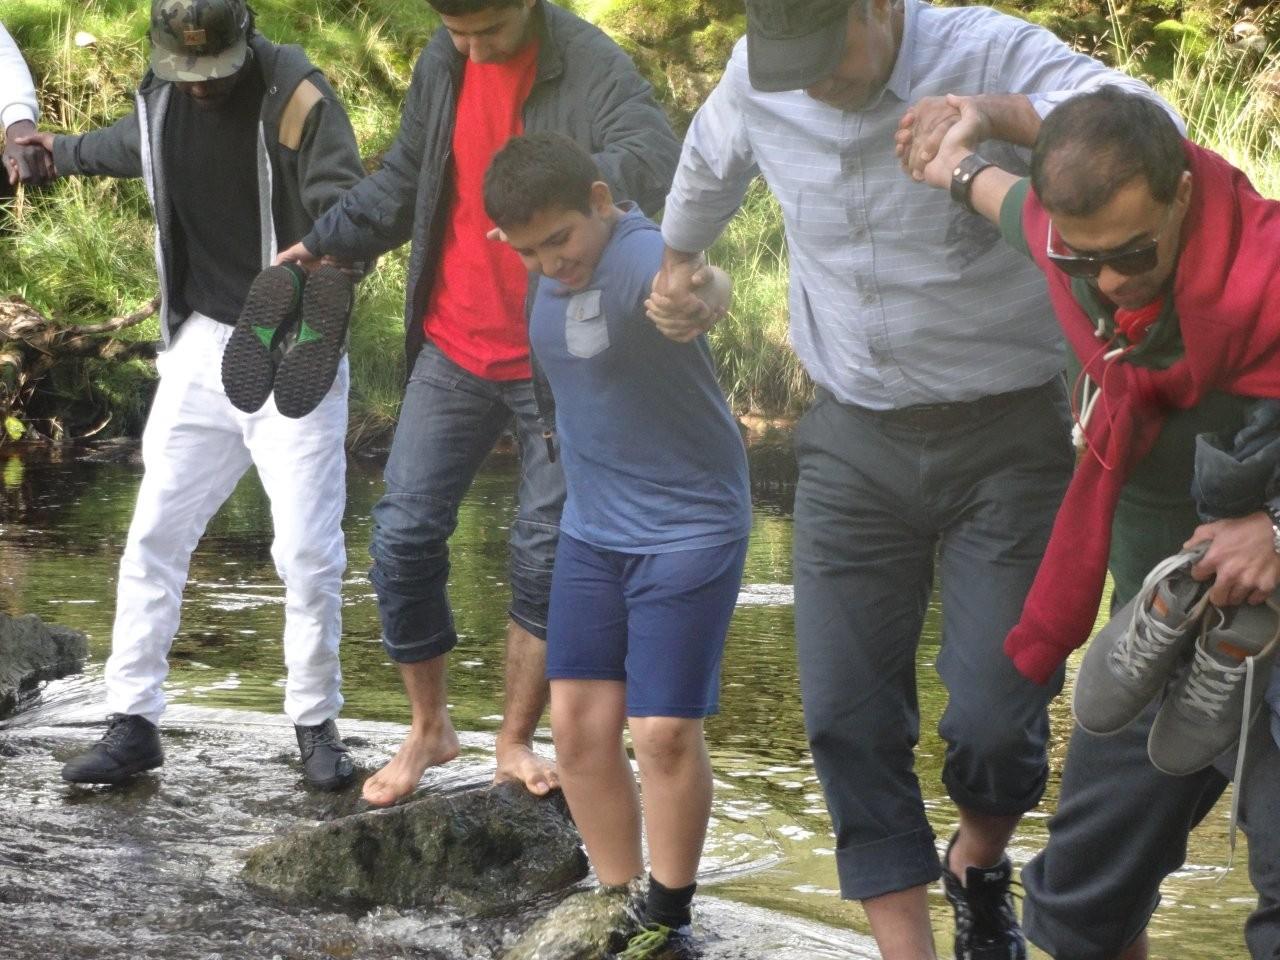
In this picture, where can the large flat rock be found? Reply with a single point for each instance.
(475, 851)
(32, 651)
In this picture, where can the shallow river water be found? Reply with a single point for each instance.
(83, 875)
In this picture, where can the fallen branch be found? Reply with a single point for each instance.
(31, 345)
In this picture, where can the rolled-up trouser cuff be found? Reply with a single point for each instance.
(990, 805)
(524, 620)
(886, 866)
(420, 650)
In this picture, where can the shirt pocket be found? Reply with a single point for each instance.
(586, 328)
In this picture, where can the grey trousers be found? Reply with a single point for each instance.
(880, 496)
(1121, 828)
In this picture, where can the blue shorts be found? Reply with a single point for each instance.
(655, 621)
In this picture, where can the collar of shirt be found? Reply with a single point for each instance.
(900, 79)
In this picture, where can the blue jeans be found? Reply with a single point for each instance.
(882, 496)
(448, 424)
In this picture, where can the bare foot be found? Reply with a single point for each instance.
(518, 762)
(399, 778)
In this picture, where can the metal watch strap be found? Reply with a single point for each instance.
(962, 178)
(1274, 514)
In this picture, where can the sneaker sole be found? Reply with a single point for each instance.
(247, 367)
(123, 774)
(306, 373)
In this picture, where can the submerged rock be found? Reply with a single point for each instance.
(117, 450)
(585, 926)
(476, 851)
(32, 651)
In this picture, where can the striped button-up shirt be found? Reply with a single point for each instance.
(898, 295)
(17, 92)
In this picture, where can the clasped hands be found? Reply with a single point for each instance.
(28, 155)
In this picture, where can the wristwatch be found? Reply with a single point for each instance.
(1274, 513)
(962, 178)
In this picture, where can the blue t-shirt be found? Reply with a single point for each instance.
(653, 458)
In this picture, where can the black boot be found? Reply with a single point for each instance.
(130, 746)
(325, 760)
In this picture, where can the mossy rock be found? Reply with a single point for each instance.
(1179, 37)
(476, 851)
(31, 652)
(679, 47)
(653, 21)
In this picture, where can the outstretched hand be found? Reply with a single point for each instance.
(676, 305)
(28, 155)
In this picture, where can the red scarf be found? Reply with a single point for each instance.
(1227, 296)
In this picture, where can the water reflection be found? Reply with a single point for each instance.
(62, 527)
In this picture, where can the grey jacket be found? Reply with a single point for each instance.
(1238, 474)
(307, 156)
(585, 88)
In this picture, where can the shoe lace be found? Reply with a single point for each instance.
(324, 734)
(1147, 638)
(118, 727)
(1241, 750)
(1211, 683)
(986, 913)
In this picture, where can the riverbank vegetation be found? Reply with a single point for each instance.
(80, 252)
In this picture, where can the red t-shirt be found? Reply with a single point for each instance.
(476, 311)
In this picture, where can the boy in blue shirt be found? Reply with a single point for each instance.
(654, 531)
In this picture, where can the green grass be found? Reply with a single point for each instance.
(81, 251)
(757, 367)
(1227, 111)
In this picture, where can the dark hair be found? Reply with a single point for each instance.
(461, 8)
(1095, 143)
(537, 172)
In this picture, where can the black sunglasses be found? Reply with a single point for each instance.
(1127, 263)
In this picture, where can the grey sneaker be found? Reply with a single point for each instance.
(1211, 705)
(325, 759)
(1134, 655)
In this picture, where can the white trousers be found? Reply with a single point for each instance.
(195, 448)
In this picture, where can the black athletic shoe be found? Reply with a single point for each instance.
(130, 746)
(249, 361)
(311, 361)
(986, 924)
(325, 760)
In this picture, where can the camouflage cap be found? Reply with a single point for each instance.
(194, 40)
